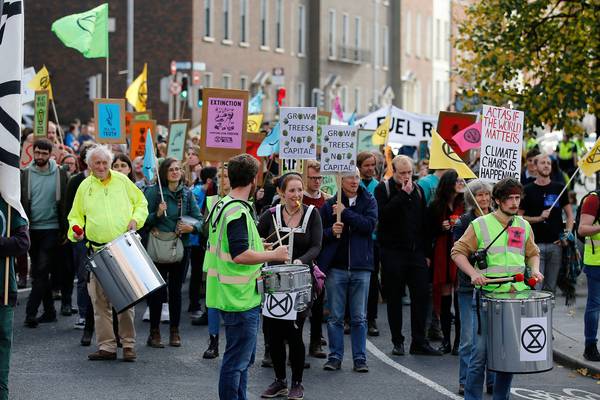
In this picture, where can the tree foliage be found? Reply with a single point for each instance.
(541, 55)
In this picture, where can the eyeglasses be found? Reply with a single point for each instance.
(316, 178)
(174, 169)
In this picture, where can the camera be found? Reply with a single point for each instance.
(479, 259)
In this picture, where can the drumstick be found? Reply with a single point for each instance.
(516, 278)
(276, 230)
(284, 236)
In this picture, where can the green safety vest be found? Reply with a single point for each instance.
(591, 248)
(565, 150)
(230, 286)
(503, 260)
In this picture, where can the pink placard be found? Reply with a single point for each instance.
(469, 138)
(224, 121)
(516, 237)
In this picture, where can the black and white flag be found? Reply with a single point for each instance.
(11, 70)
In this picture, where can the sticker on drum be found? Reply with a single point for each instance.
(534, 339)
(279, 306)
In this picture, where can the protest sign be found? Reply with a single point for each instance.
(469, 137)
(138, 137)
(405, 128)
(329, 184)
(224, 124)
(338, 153)
(177, 136)
(365, 140)
(450, 123)
(109, 120)
(323, 118)
(27, 151)
(501, 143)
(130, 116)
(254, 123)
(298, 139)
(40, 128)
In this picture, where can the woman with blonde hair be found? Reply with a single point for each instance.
(192, 166)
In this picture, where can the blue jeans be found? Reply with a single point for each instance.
(468, 318)
(241, 330)
(592, 307)
(213, 321)
(351, 286)
(478, 361)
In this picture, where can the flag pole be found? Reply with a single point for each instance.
(474, 199)
(7, 264)
(60, 131)
(107, 96)
(565, 188)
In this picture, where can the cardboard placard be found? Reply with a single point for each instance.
(138, 137)
(130, 116)
(450, 123)
(40, 128)
(338, 152)
(177, 137)
(323, 118)
(109, 120)
(254, 123)
(224, 124)
(298, 138)
(501, 143)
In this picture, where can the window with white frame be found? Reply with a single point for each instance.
(446, 41)
(417, 105)
(344, 97)
(208, 18)
(428, 36)
(357, 38)
(357, 100)
(301, 29)
(279, 24)
(300, 94)
(408, 33)
(226, 81)
(376, 44)
(331, 36)
(243, 82)
(438, 39)
(207, 80)
(244, 21)
(345, 35)
(226, 19)
(386, 46)
(418, 35)
(263, 22)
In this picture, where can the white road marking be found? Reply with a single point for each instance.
(407, 371)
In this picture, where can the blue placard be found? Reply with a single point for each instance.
(109, 121)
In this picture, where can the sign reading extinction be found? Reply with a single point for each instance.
(338, 152)
(298, 140)
(501, 143)
(41, 113)
(225, 123)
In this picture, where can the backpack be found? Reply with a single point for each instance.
(578, 216)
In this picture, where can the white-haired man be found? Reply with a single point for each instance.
(107, 204)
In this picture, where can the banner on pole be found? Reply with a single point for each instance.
(338, 152)
(177, 136)
(365, 140)
(298, 140)
(254, 123)
(405, 128)
(501, 143)
(40, 128)
(449, 124)
(109, 118)
(138, 137)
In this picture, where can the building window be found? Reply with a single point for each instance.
(386, 46)
(357, 104)
(417, 105)
(263, 22)
(226, 21)
(226, 81)
(279, 24)
(408, 33)
(428, 36)
(357, 43)
(428, 105)
(208, 18)
(344, 97)
(331, 38)
(244, 23)
(446, 41)
(345, 34)
(207, 80)
(438, 38)
(243, 82)
(376, 44)
(300, 94)
(301, 29)
(418, 35)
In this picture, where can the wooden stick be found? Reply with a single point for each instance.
(474, 199)
(276, 230)
(107, 96)
(565, 188)
(7, 265)
(160, 189)
(338, 213)
(499, 280)
(58, 127)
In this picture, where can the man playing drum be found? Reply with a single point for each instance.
(107, 204)
(510, 247)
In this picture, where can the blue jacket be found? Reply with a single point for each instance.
(356, 240)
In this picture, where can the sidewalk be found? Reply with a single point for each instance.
(569, 341)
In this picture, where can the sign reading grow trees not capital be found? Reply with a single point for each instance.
(298, 139)
(338, 149)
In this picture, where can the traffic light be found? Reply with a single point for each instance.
(199, 98)
(183, 95)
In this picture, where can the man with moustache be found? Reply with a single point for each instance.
(43, 190)
(404, 243)
(519, 250)
(547, 223)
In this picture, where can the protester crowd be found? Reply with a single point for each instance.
(406, 240)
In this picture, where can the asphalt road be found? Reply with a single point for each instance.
(49, 363)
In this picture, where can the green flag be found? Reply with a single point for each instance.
(86, 32)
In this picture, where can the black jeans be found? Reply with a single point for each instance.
(316, 319)
(197, 260)
(399, 269)
(66, 273)
(173, 275)
(277, 333)
(374, 286)
(43, 252)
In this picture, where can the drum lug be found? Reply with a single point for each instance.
(523, 310)
(544, 307)
(497, 308)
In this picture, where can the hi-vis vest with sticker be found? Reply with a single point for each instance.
(504, 259)
(231, 286)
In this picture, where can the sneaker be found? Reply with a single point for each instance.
(461, 389)
(164, 314)
(146, 316)
(80, 324)
(398, 349)
(31, 322)
(332, 365)
(372, 328)
(361, 366)
(591, 353)
(275, 389)
(296, 391)
(424, 349)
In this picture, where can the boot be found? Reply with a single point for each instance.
(174, 338)
(315, 350)
(266, 361)
(445, 347)
(213, 348)
(591, 352)
(86, 338)
(154, 339)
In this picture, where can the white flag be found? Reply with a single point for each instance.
(11, 71)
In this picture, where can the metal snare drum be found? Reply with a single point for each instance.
(289, 278)
(519, 331)
(125, 271)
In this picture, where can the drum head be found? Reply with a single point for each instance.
(271, 269)
(526, 295)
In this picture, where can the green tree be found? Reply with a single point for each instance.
(541, 55)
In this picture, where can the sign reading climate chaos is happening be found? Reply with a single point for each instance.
(298, 139)
(338, 151)
(501, 143)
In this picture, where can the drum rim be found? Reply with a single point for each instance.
(548, 296)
